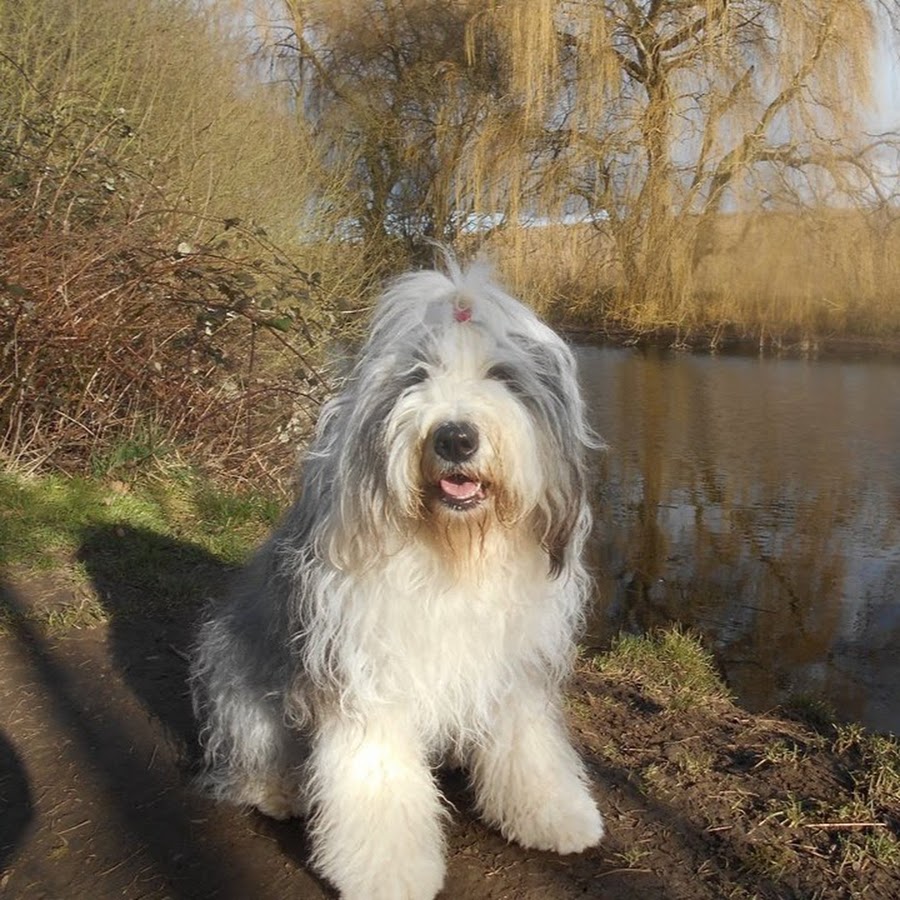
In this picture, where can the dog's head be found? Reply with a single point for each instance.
(462, 413)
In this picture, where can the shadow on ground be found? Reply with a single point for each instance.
(97, 743)
(16, 805)
(153, 590)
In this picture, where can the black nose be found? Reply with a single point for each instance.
(455, 441)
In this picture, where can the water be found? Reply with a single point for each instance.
(757, 501)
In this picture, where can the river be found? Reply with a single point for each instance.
(756, 501)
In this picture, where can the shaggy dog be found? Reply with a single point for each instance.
(418, 604)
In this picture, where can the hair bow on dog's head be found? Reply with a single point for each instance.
(462, 312)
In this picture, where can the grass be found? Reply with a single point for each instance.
(873, 765)
(670, 661)
(633, 857)
(859, 851)
(43, 519)
(780, 752)
(693, 761)
(772, 860)
(859, 836)
(817, 790)
(157, 538)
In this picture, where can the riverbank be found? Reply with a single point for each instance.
(702, 799)
(729, 339)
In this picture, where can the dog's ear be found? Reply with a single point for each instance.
(365, 505)
(554, 398)
(361, 501)
(563, 515)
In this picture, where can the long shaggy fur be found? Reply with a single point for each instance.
(415, 606)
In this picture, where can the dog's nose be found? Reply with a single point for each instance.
(456, 441)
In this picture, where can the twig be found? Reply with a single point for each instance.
(839, 826)
(626, 870)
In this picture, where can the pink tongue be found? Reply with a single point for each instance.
(464, 490)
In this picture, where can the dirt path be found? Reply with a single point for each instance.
(96, 739)
(97, 804)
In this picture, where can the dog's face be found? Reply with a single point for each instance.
(461, 445)
(462, 414)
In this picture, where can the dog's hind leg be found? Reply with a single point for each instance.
(376, 811)
(252, 755)
(253, 758)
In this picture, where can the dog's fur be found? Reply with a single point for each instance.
(413, 609)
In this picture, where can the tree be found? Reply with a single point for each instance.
(650, 118)
(665, 113)
(394, 87)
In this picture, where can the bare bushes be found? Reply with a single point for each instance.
(111, 334)
(143, 311)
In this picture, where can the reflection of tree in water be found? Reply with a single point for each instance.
(724, 516)
(650, 545)
(796, 576)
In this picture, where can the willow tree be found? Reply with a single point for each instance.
(648, 117)
(658, 115)
(391, 84)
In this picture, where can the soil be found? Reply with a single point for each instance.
(97, 747)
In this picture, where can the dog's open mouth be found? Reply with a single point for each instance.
(459, 491)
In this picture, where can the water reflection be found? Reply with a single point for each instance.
(759, 502)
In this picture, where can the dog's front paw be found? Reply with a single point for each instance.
(406, 877)
(280, 806)
(562, 825)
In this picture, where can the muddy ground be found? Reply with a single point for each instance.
(97, 741)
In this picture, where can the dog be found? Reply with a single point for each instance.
(418, 605)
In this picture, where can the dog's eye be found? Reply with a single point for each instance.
(505, 374)
(415, 376)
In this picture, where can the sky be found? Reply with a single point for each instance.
(887, 88)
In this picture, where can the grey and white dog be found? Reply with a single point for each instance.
(419, 602)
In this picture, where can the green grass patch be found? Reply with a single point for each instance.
(143, 448)
(671, 661)
(43, 520)
(812, 710)
(78, 549)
